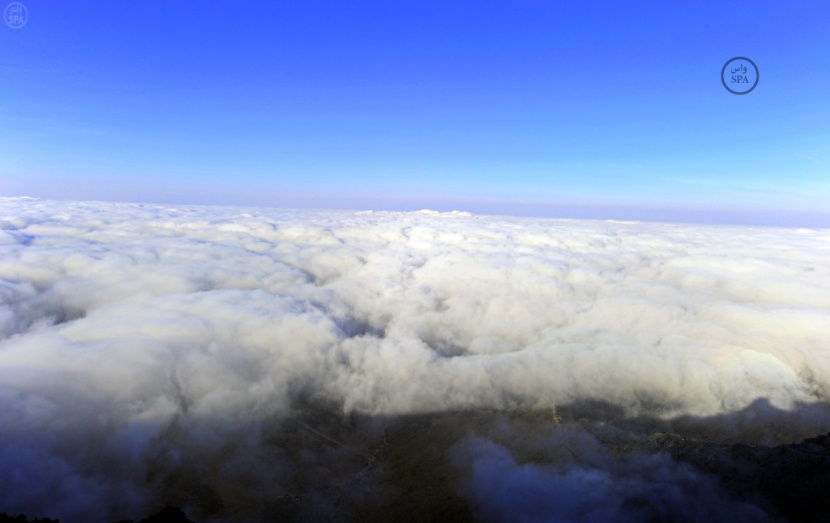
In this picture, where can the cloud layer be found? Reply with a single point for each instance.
(141, 345)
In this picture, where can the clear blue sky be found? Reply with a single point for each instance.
(560, 108)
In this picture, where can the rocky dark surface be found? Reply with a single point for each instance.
(168, 515)
(405, 469)
(21, 518)
(791, 481)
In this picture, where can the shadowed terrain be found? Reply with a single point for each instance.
(417, 468)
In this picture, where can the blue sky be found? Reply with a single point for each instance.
(575, 109)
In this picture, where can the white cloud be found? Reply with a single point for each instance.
(133, 332)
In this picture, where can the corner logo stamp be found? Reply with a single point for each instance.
(16, 15)
(739, 75)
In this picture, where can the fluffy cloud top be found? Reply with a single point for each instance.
(132, 335)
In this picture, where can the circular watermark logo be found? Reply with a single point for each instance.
(16, 15)
(739, 75)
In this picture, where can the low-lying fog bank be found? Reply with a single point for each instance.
(250, 364)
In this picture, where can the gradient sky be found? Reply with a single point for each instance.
(576, 109)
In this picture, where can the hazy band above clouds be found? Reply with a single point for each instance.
(124, 324)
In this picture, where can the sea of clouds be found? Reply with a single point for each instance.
(147, 351)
